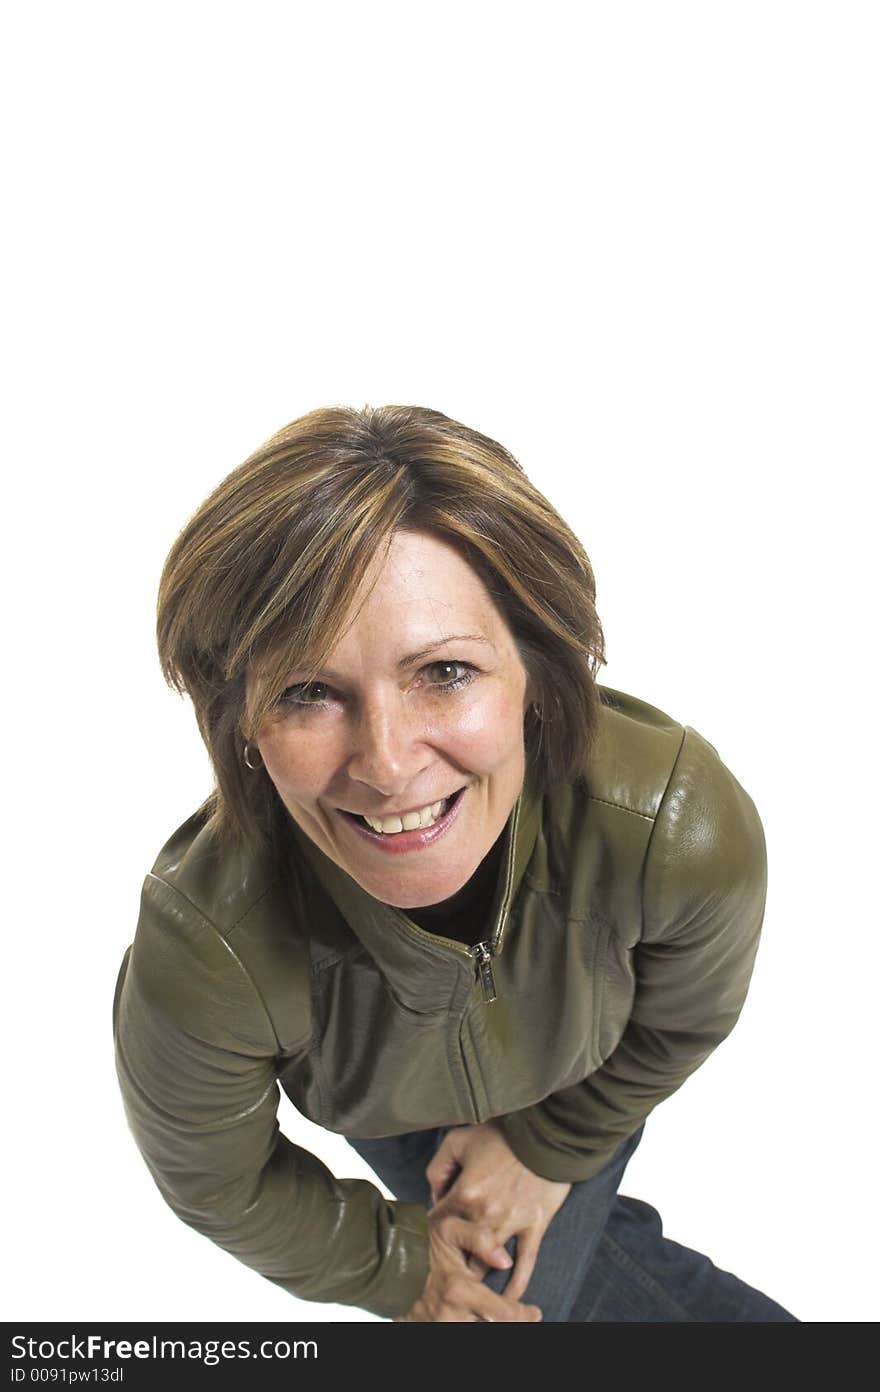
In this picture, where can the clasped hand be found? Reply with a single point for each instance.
(483, 1195)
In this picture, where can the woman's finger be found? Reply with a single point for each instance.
(499, 1310)
(443, 1169)
(471, 1239)
(527, 1246)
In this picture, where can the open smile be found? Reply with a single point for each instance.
(408, 831)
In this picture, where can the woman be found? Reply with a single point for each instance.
(471, 910)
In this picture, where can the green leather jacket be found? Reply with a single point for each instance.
(619, 951)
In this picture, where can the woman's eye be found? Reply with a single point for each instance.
(449, 676)
(305, 694)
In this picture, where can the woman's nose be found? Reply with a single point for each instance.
(386, 750)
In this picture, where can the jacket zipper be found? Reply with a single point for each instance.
(482, 951)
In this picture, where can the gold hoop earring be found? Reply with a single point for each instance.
(246, 756)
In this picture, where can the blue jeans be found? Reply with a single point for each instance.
(603, 1256)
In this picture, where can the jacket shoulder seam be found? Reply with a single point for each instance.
(657, 817)
(203, 919)
(250, 908)
(621, 807)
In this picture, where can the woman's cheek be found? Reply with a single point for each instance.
(297, 763)
(491, 729)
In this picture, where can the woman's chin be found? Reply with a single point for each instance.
(412, 887)
(414, 891)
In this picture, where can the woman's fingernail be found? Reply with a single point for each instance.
(503, 1256)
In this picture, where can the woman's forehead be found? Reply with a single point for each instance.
(413, 596)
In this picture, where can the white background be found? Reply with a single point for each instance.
(636, 243)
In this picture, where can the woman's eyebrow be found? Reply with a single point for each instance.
(441, 642)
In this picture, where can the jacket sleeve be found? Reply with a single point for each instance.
(197, 1062)
(703, 896)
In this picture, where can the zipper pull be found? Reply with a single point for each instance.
(483, 953)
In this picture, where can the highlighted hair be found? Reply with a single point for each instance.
(262, 575)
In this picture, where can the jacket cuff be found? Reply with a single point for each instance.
(404, 1271)
(526, 1138)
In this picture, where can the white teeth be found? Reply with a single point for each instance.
(425, 817)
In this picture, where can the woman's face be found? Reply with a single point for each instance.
(420, 703)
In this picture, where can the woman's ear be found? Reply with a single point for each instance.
(532, 697)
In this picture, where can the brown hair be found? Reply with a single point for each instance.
(261, 576)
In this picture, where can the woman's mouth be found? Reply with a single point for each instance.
(410, 831)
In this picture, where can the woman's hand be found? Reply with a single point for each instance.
(452, 1290)
(476, 1175)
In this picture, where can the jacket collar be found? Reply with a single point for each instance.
(423, 970)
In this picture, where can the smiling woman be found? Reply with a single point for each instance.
(405, 781)
(261, 584)
(470, 909)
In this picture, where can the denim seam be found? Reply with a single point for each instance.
(639, 1274)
